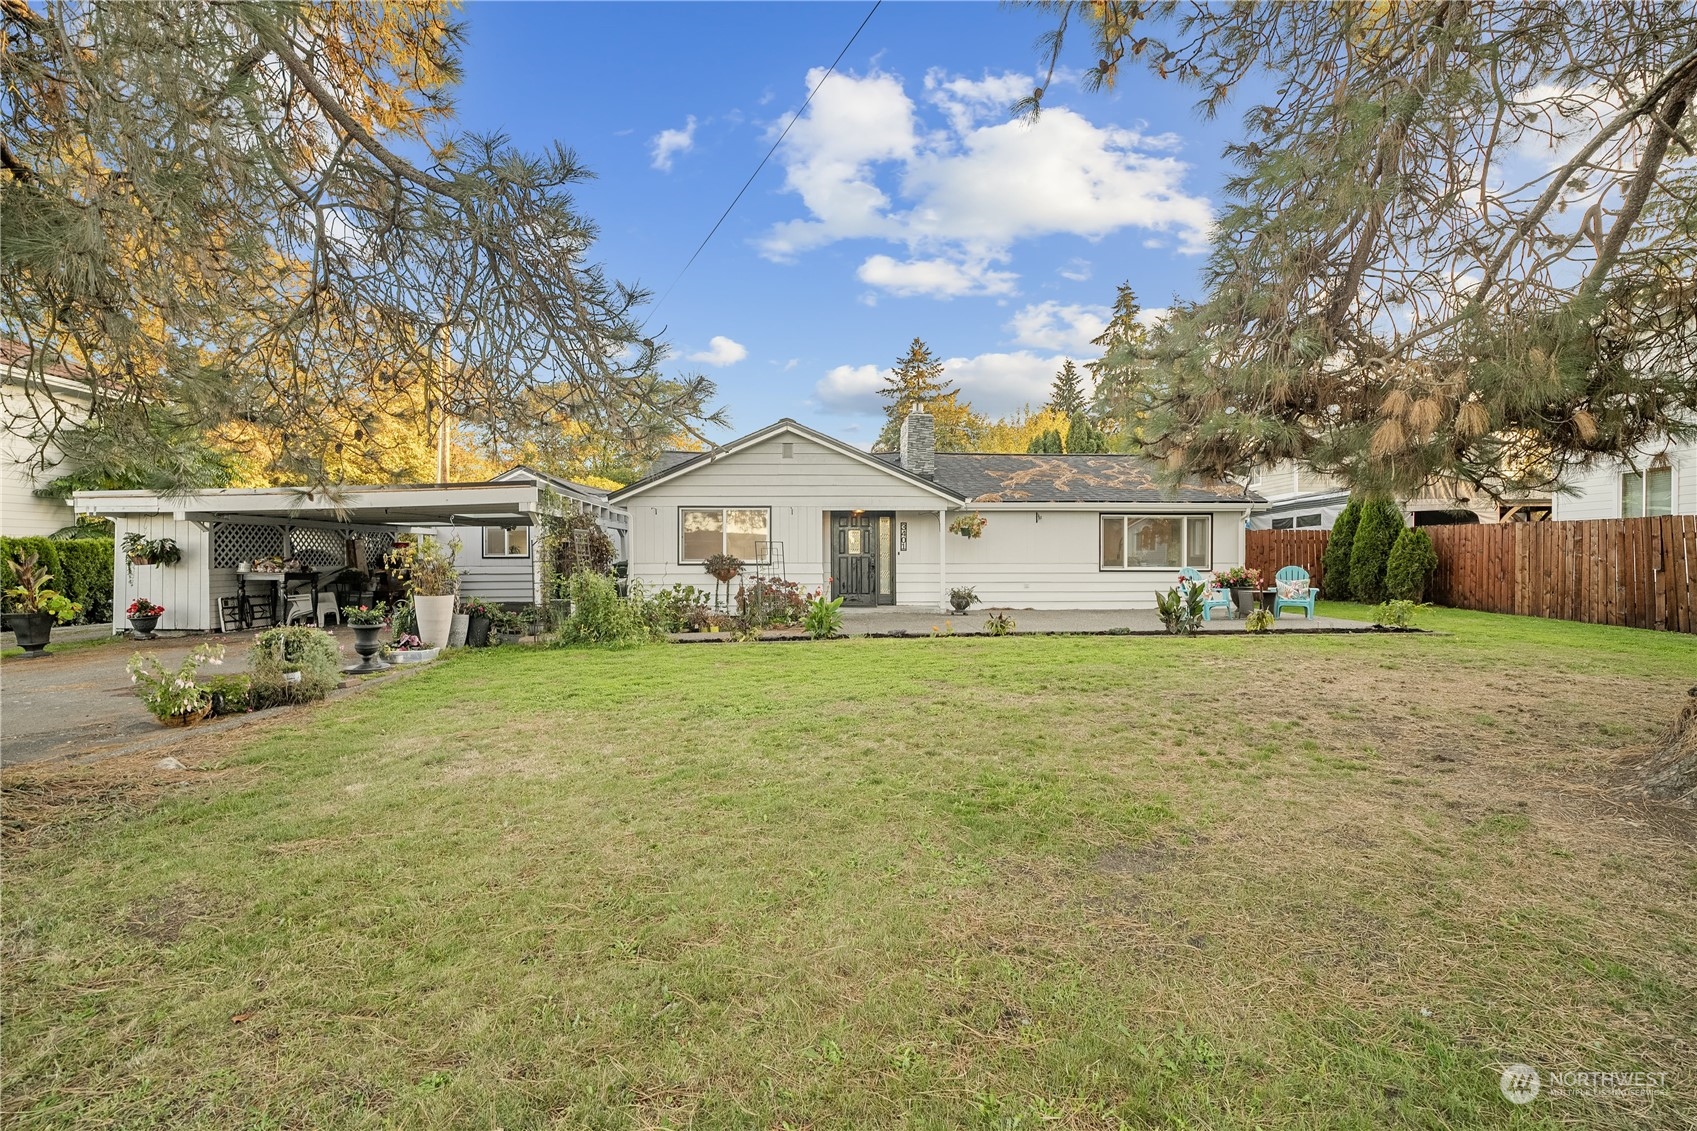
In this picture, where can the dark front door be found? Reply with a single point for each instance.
(854, 558)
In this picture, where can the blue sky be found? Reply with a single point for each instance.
(904, 202)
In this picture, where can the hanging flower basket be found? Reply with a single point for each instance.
(723, 566)
(969, 525)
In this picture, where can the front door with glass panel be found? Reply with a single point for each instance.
(862, 566)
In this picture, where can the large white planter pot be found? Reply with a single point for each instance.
(435, 616)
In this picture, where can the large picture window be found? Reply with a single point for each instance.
(742, 532)
(1150, 541)
(506, 541)
(1645, 494)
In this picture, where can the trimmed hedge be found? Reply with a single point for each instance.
(1334, 563)
(1413, 561)
(1381, 525)
(81, 569)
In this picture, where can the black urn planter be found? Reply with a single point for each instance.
(141, 628)
(961, 604)
(367, 646)
(33, 631)
(477, 632)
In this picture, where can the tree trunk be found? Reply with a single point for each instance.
(1669, 772)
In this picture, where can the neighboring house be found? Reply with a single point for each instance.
(505, 564)
(1299, 498)
(23, 513)
(1061, 531)
(1661, 479)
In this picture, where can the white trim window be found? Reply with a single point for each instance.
(506, 541)
(742, 532)
(1647, 493)
(1156, 541)
(1298, 522)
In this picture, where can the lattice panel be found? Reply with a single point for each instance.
(234, 542)
(377, 545)
(319, 549)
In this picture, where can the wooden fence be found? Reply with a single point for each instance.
(1638, 572)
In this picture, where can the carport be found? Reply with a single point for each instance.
(328, 531)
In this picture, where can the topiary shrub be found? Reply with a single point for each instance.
(1334, 563)
(1370, 553)
(1412, 562)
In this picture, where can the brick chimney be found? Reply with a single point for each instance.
(918, 451)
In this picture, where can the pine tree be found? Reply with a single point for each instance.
(1120, 372)
(1084, 438)
(1046, 442)
(1412, 562)
(1066, 395)
(916, 381)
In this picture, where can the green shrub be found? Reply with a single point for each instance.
(231, 694)
(1334, 564)
(1381, 523)
(600, 616)
(824, 617)
(85, 575)
(311, 651)
(1412, 562)
(677, 609)
(1396, 614)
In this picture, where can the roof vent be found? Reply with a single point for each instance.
(918, 451)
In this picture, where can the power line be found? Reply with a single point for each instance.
(722, 216)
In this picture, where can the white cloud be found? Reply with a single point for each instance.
(1054, 326)
(721, 351)
(851, 389)
(994, 383)
(667, 143)
(1153, 316)
(1078, 270)
(939, 278)
(867, 165)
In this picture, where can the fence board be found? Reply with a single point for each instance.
(1638, 572)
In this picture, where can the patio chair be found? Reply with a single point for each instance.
(299, 606)
(1212, 597)
(1294, 590)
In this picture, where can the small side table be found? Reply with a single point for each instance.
(1264, 599)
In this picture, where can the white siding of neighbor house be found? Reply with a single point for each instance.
(1597, 491)
(22, 514)
(182, 588)
(1019, 562)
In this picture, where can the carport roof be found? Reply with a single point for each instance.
(508, 503)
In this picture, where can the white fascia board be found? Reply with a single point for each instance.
(1165, 506)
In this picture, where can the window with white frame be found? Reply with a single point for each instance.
(1157, 541)
(506, 541)
(742, 532)
(1645, 494)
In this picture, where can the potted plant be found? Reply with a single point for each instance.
(36, 608)
(144, 617)
(723, 567)
(139, 550)
(433, 581)
(173, 696)
(962, 597)
(969, 525)
(1244, 582)
(483, 617)
(407, 648)
(368, 622)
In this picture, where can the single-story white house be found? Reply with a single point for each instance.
(217, 530)
(1061, 531)
(1660, 479)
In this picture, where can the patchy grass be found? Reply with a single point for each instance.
(1072, 882)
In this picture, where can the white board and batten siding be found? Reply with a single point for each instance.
(1028, 556)
(184, 588)
(503, 580)
(24, 514)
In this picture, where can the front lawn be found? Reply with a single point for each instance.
(1226, 882)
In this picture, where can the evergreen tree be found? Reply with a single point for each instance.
(1381, 525)
(1066, 395)
(1046, 442)
(1334, 578)
(916, 381)
(1120, 373)
(1413, 561)
(1084, 438)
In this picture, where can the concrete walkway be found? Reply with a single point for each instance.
(79, 702)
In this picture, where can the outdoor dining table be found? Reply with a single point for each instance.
(280, 579)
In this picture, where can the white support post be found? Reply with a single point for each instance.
(942, 553)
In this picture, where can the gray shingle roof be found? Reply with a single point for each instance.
(1019, 478)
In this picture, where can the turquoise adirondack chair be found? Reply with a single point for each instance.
(1218, 601)
(1289, 574)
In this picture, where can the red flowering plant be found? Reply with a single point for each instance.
(367, 615)
(1238, 577)
(142, 607)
